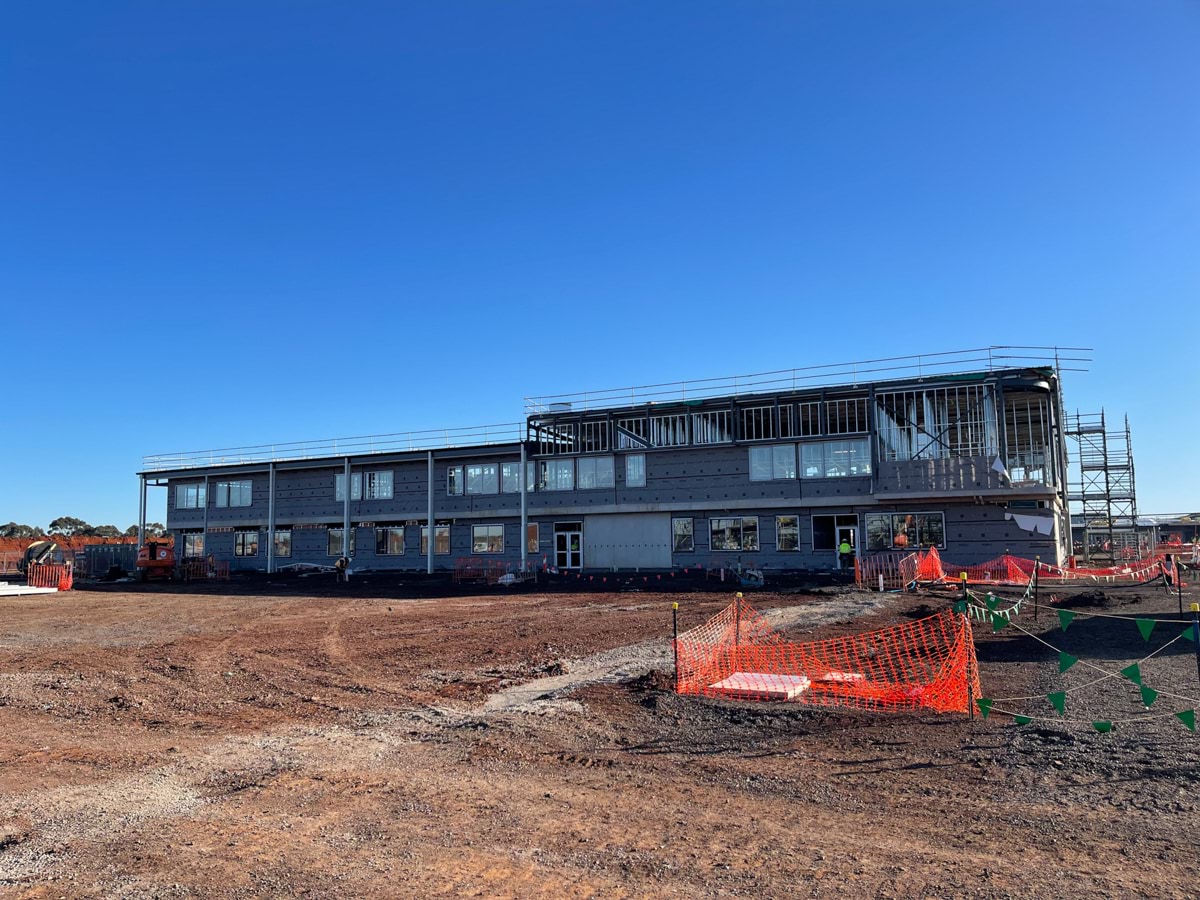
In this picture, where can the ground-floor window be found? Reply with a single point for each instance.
(734, 533)
(283, 542)
(683, 535)
(487, 538)
(787, 532)
(900, 531)
(389, 541)
(531, 538)
(335, 543)
(441, 540)
(245, 543)
(193, 545)
(830, 531)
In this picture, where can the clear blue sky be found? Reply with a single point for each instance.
(230, 223)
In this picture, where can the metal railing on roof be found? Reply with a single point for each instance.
(363, 445)
(830, 375)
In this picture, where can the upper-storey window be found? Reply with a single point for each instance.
(758, 423)
(339, 486)
(835, 459)
(379, 485)
(847, 416)
(557, 475)
(454, 481)
(483, 478)
(712, 426)
(190, 496)
(234, 493)
(635, 470)
(937, 423)
(595, 472)
(773, 463)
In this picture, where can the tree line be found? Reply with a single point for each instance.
(69, 526)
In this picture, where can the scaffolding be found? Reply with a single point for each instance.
(1102, 493)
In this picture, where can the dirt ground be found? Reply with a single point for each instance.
(167, 743)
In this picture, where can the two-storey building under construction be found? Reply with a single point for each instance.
(963, 451)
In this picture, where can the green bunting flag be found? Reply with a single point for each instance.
(960, 607)
(1149, 695)
(998, 622)
(1065, 661)
(1065, 617)
(992, 602)
(1145, 626)
(1102, 726)
(1059, 699)
(1022, 720)
(1133, 673)
(985, 706)
(1189, 633)
(1188, 718)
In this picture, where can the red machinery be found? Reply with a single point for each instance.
(156, 560)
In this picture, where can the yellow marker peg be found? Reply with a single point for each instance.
(674, 606)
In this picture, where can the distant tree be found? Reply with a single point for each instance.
(69, 526)
(107, 531)
(13, 530)
(153, 529)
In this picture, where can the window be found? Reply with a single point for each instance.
(901, 531)
(487, 538)
(758, 423)
(454, 481)
(846, 416)
(510, 478)
(283, 542)
(773, 463)
(234, 493)
(557, 475)
(531, 538)
(193, 545)
(190, 496)
(595, 472)
(683, 538)
(635, 470)
(482, 478)
(734, 534)
(441, 540)
(712, 427)
(379, 485)
(334, 540)
(835, 459)
(245, 543)
(593, 437)
(339, 486)
(826, 530)
(787, 532)
(389, 540)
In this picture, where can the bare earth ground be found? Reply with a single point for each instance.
(165, 743)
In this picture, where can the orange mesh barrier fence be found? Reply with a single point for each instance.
(928, 567)
(44, 575)
(927, 664)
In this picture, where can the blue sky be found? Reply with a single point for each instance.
(234, 223)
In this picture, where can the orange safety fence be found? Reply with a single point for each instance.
(201, 569)
(928, 567)
(471, 568)
(49, 575)
(926, 664)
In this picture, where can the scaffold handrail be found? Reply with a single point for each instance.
(360, 445)
(919, 365)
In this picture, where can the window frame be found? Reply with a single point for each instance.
(482, 487)
(455, 481)
(640, 481)
(339, 487)
(595, 463)
(241, 538)
(795, 528)
(387, 532)
(789, 469)
(199, 500)
(741, 531)
(532, 544)
(920, 529)
(691, 534)
(279, 532)
(438, 531)
(491, 532)
(330, 529)
(812, 529)
(192, 537)
(372, 484)
(224, 494)
(559, 465)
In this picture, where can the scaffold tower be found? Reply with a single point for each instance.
(1103, 494)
